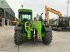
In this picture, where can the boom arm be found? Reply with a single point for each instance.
(47, 9)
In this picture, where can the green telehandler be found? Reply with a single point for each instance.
(29, 29)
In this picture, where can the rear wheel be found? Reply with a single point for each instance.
(47, 38)
(18, 37)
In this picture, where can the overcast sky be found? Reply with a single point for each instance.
(38, 6)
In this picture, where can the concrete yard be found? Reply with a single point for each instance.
(60, 42)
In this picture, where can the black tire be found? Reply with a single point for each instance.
(48, 38)
(18, 37)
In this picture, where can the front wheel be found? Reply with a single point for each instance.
(48, 37)
(18, 37)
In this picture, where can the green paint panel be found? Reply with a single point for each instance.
(37, 25)
(25, 10)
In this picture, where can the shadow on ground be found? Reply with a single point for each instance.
(31, 43)
(63, 30)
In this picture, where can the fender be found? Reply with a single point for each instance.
(48, 28)
(18, 27)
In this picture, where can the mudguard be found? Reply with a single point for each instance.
(48, 28)
(18, 27)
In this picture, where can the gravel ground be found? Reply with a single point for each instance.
(60, 42)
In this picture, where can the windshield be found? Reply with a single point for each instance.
(26, 16)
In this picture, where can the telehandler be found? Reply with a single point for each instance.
(29, 29)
